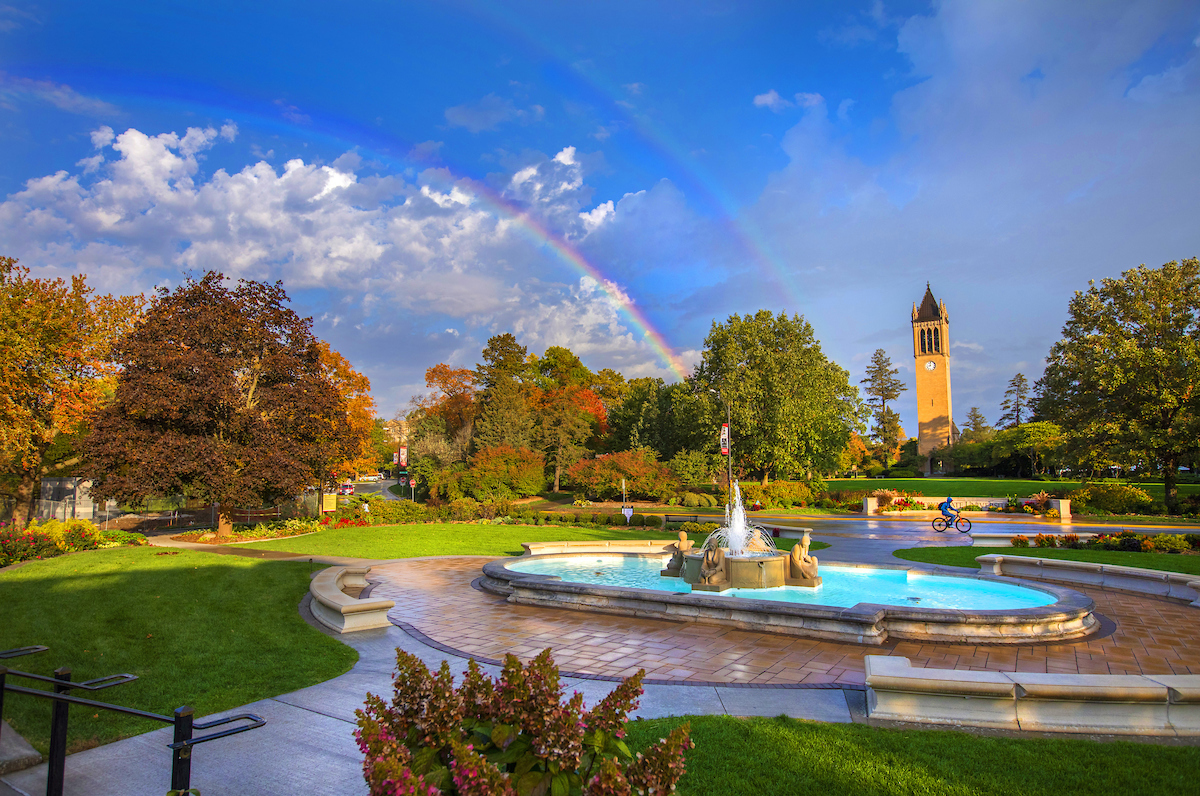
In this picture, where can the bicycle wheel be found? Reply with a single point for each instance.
(939, 524)
(962, 524)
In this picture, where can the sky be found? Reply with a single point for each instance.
(610, 176)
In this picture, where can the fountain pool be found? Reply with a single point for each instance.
(862, 605)
(843, 586)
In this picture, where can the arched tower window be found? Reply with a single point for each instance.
(921, 332)
(937, 340)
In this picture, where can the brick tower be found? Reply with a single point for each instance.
(931, 349)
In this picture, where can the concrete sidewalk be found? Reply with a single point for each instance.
(307, 745)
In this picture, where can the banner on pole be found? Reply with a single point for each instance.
(724, 439)
(403, 455)
(396, 457)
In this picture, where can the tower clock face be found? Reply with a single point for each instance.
(930, 365)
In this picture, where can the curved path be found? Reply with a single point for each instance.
(307, 745)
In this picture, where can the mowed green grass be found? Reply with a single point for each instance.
(198, 629)
(965, 557)
(979, 487)
(384, 542)
(783, 756)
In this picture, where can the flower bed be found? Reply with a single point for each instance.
(1125, 541)
(54, 537)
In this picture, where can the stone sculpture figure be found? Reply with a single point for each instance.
(675, 565)
(712, 568)
(802, 566)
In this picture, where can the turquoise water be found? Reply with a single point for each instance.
(842, 586)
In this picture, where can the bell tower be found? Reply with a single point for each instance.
(931, 350)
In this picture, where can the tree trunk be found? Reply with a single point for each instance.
(1170, 483)
(766, 476)
(23, 499)
(224, 521)
(557, 473)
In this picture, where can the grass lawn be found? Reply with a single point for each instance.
(979, 487)
(784, 756)
(205, 630)
(444, 539)
(965, 557)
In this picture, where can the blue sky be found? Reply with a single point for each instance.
(424, 175)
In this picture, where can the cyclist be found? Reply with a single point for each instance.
(949, 512)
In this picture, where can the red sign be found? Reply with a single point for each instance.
(724, 439)
(396, 457)
(403, 456)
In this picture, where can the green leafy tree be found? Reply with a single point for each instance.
(504, 360)
(222, 396)
(559, 367)
(1034, 441)
(793, 409)
(1016, 402)
(1126, 374)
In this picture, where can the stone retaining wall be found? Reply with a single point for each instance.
(1173, 585)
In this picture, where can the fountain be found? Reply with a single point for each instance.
(740, 555)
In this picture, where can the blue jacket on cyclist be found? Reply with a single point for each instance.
(948, 510)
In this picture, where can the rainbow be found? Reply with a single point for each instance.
(741, 229)
(342, 133)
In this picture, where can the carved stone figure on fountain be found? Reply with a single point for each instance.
(802, 567)
(712, 568)
(675, 565)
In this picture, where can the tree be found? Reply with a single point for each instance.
(563, 429)
(887, 432)
(882, 381)
(506, 417)
(559, 367)
(504, 360)
(976, 428)
(221, 396)
(793, 410)
(1126, 373)
(454, 400)
(1016, 402)
(56, 367)
(355, 390)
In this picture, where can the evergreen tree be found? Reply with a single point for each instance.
(882, 381)
(1016, 402)
(503, 359)
(563, 429)
(886, 432)
(506, 417)
(976, 428)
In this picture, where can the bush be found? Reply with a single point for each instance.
(644, 476)
(1042, 540)
(653, 521)
(1020, 541)
(1169, 543)
(902, 472)
(637, 520)
(1114, 498)
(50, 538)
(542, 517)
(694, 467)
(464, 509)
(1193, 539)
(509, 735)
(1052, 514)
(1070, 540)
(504, 472)
(691, 500)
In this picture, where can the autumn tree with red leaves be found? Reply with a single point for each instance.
(222, 396)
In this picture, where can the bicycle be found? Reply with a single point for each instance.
(960, 524)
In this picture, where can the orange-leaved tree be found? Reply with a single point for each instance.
(355, 389)
(55, 368)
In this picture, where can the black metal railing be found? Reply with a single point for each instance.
(183, 719)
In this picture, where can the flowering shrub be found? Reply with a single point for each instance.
(1020, 541)
(644, 476)
(1114, 498)
(53, 537)
(513, 736)
(1042, 540)
(1070, 540)
(1168, 543)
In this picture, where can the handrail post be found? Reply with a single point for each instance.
(3, 677)
(181, 758)
(57, 763)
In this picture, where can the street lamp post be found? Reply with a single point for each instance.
(728, 442)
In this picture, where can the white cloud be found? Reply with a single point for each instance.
(490, 112)
(16, 89)
(771, 100)
(12, 18)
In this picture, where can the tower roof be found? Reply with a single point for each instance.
(929, 309)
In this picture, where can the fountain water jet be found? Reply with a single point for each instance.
(738, 536)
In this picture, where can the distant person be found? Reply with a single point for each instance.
(758, 506)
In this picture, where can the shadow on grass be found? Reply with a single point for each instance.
(209, 631)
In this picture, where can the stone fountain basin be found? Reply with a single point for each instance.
(744, 572)
(1070, 617)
